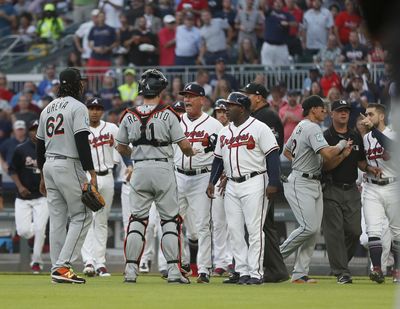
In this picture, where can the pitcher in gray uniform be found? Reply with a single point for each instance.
(306, 149)
(63, 156)
(152, 129)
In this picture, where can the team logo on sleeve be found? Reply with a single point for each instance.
(319, 137)
(246, 140)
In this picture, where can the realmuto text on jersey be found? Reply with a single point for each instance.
(237, 141)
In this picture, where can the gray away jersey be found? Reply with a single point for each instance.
(59, 122)
(304, 143)
(163, 126)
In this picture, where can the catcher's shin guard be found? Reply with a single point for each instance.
(135, 240)
(170, 241)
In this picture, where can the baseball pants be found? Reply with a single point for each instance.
(192, 194)
(125, 204)
(30, 219)
(274, 55)
(95, 245)
(64, 179)
(305, 200)
(246, 204)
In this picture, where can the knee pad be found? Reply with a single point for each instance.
(170, 240)
(135, 239)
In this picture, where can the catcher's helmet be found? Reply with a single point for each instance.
(152, 82)
(239, 99)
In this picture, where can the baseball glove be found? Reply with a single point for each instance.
(92, 198)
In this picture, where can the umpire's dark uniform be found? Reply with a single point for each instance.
(342, 204)
(274, 267)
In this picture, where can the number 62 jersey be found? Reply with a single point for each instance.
(59, 122)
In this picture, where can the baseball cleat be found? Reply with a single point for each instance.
(66, 275)
(218, 272)
(89, 270)
(186, 271)
(233, 278)
(164, 274)
(345, 279)
(181, 280)
(36, 268)
(244, 279)
(255, 281)
(377, 275)
(127, 280)
(144, 268)
(396, 276)
(203, 278)
(102, 272)
(304, 279)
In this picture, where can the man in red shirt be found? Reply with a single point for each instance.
(5, 94)
(330, 78)
(291, 114)
(166, 38)
(347, 21)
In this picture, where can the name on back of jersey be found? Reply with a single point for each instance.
(62, 104)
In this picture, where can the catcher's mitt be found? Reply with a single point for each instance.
(92, 198)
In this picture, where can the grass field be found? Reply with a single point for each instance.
(29, 291)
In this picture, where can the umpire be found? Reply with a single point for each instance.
(274, 267)
(342, 199)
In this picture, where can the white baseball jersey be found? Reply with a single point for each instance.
(102, 145)
(59, 122)
(197, 133)
(243, 149)
(376, 155)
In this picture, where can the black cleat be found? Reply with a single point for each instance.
(243, 279)
(203, 278)
(255, 281)
(377, 275)
(345, 279)
(233, 278)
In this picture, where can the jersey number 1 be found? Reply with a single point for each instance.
(54, 126)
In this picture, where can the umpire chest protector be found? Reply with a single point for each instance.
(144, 119)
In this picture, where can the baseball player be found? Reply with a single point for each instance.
(63, 156)
(247, 150)
(380, 195)
(192, 173)
(102, 144)
(151, 129)
(306, 149)
(31, 212)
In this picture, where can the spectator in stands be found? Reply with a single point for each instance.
(108, 89)
(351, 71)
(29, 89)
(81, 37)
(313, 75)
(176, 87)
(118, 105)
(334, 9)
(333, 95)
(359, 99)
(5, 122)
(291, 114)
(276, 35)
(102, 40)
(202, 78)
(26, 30)
(317, 25)
(21, 6)
(166, 41)
(188, 42)
(5, 93)
(248, 22)
(50, 27)
(220, 73)
(135, 10)
(260, 79)
(153, 23)
(33, 105)
(316, 89)
(330, 78)
(294, 43)
(165, 7)
(330, 52)
(45, 84)
(376, 54)
(24, 113)
(52, 91)
(8, 18)
(8, 146)
(112, 9)
(275, 99)
(214, 42)
(368, 83)
(222, 90)
(193, 6)
(74, 59)
(82, 9)
(247, 53)
(228, 13)
(347, 21)
(354, 50)
(208, 104)
(130, 89)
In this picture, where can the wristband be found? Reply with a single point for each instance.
(342, 144)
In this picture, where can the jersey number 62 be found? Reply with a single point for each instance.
(54, 126)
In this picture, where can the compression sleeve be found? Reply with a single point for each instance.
(385, 141)
(273, 168)
(216, 170)
(85, 155)
(40, 153)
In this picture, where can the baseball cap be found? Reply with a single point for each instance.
(253, 88)
(179, 107)
(169, 19)
(220, 59)
(238, 98)
(194, 89)
(293, 92)
(312, 101)
(70, 76)
(340, 104)
(93, 102)
(33, 124)
(95, 12)
(49, 7)
(19, 124)
(130, 71)
(55, 82)
(220, 105)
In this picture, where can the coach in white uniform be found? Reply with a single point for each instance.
(104, 155)
(193, 173)
(246, 149)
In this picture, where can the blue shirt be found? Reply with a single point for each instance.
(5, 25)
(187, 41)
(102, 36)
(107, 94)
(43, 86)
(7, 149)
(274, 32)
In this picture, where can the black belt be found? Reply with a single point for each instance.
(344, 186)
(102, 173)
(159, 160)
(245, 177)
(275, 43)
(192, 172)
(382, 182)
(311, 176)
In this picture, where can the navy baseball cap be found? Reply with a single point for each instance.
(93, 102)
(257, 89)
(238, 98)
(70, 76)
(220, 104)
(179, 107)
(193, 89)
(340, 104)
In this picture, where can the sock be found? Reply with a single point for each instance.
(193, 247)
(375, 251)
(396, 254)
